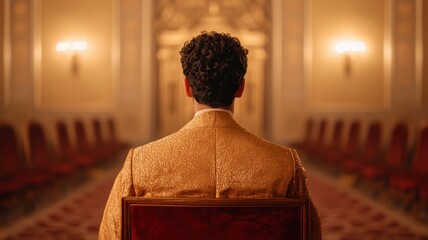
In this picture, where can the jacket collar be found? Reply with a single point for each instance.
(213, 118)
(213, 110)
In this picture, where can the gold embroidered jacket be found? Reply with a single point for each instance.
(210, 157)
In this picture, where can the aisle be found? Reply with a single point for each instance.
(345, 214)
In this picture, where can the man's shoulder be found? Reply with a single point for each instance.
(270, 144)
(174, 139)
(263, 146)
(157, 142)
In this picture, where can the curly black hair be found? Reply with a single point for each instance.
(214, 65)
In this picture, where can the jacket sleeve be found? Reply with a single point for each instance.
(299, 188)
(111, 226)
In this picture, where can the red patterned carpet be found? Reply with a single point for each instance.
(345, 214)
(76, 216)
(349, 215)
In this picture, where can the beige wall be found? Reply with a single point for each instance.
(118, 79)
(362, 86)
(90, 85)
(35, 87)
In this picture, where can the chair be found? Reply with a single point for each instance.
(336, 140)
(14, 176)
(417, 176)
(97, 131)
(83, 146)
(370, 152)
(351, 145)
(64, 144)
(9, 161)
(395, 159)
(106, 148)
(18, 183)
(318, 143)
(102, 148)
(41, 158)
(309, 128)
(149, 218)
(65, 149)
(82, 140)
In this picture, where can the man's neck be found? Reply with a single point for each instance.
(199, 107)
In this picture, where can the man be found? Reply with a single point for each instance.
(211, 156)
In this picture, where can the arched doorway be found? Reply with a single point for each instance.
(177, 21)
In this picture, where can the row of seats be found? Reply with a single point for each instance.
(397, 165)
(25, 170)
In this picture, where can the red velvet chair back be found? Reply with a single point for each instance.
(9, 151)
(64, 144)
(145, 218)
(373, 142)
(353, 137)
(420, 161)
(82, 140)
(112, 130)
(321, 132)
(397, 148)
(309, 130)
(38, 145)
(97, 130)
(337, 134)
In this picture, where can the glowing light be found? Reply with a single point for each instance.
(350, 47)
(62, 46)
(73, 46)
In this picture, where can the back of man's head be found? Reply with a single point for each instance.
(214, 65)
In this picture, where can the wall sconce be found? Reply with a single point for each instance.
(349, 51)
(73, 47)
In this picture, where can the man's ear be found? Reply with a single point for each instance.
(187, 88)
(238, 93)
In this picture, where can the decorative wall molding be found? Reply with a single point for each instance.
(177, 21)
(20, 28)
(176, 14)
(406, 83)
(4, 53)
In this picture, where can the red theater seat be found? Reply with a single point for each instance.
(65, 150)
(9, 161)
(369, 153)
(64, 145)
(336, 141)
(423, 192)
(102, 148)
(14, 176)
(395, 159)
(315, 146)
(83, 146)
(350, 148)
(309, 129)
(81, 136)
(417, 177)
(145, 218)
(40, 155)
